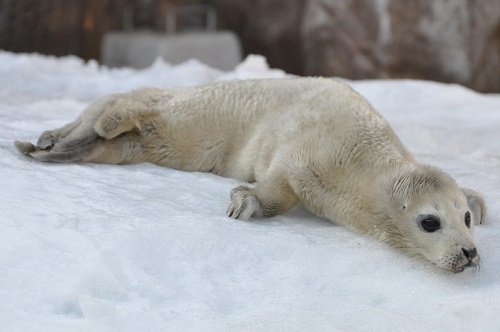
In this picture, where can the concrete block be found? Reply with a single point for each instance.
(139, 49)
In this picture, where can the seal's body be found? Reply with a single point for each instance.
(308, 140)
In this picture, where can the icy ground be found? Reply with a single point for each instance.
(88, 247)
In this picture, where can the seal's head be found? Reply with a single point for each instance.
(435, 218)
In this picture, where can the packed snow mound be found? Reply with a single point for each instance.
(87, 247)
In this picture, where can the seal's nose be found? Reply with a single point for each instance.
(470, 253)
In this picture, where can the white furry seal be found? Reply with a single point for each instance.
(308, 140)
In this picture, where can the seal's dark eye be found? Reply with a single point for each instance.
(430, 224)
(467, 219)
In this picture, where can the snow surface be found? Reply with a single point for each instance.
(87, 247)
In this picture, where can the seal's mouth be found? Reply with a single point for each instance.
(474, 263)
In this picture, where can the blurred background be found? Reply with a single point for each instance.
(454, 41)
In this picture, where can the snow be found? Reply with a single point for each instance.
(89, 247)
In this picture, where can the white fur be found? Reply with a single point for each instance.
(309, 140)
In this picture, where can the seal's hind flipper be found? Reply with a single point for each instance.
(30, 150)
(74, 147)
(57, 157)
(51, 147)
(76, 141)
(46, 140)
(105, 132)
(25, 147)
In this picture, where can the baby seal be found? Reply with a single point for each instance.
(309, 140)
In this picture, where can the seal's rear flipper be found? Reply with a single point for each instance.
(46, 140)
(74, 147)
(99, 134)
(25, 147)
(32, 151)
(57, 157)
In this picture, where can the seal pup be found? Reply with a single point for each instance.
(310, 140)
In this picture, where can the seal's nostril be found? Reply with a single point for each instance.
(470, 253)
